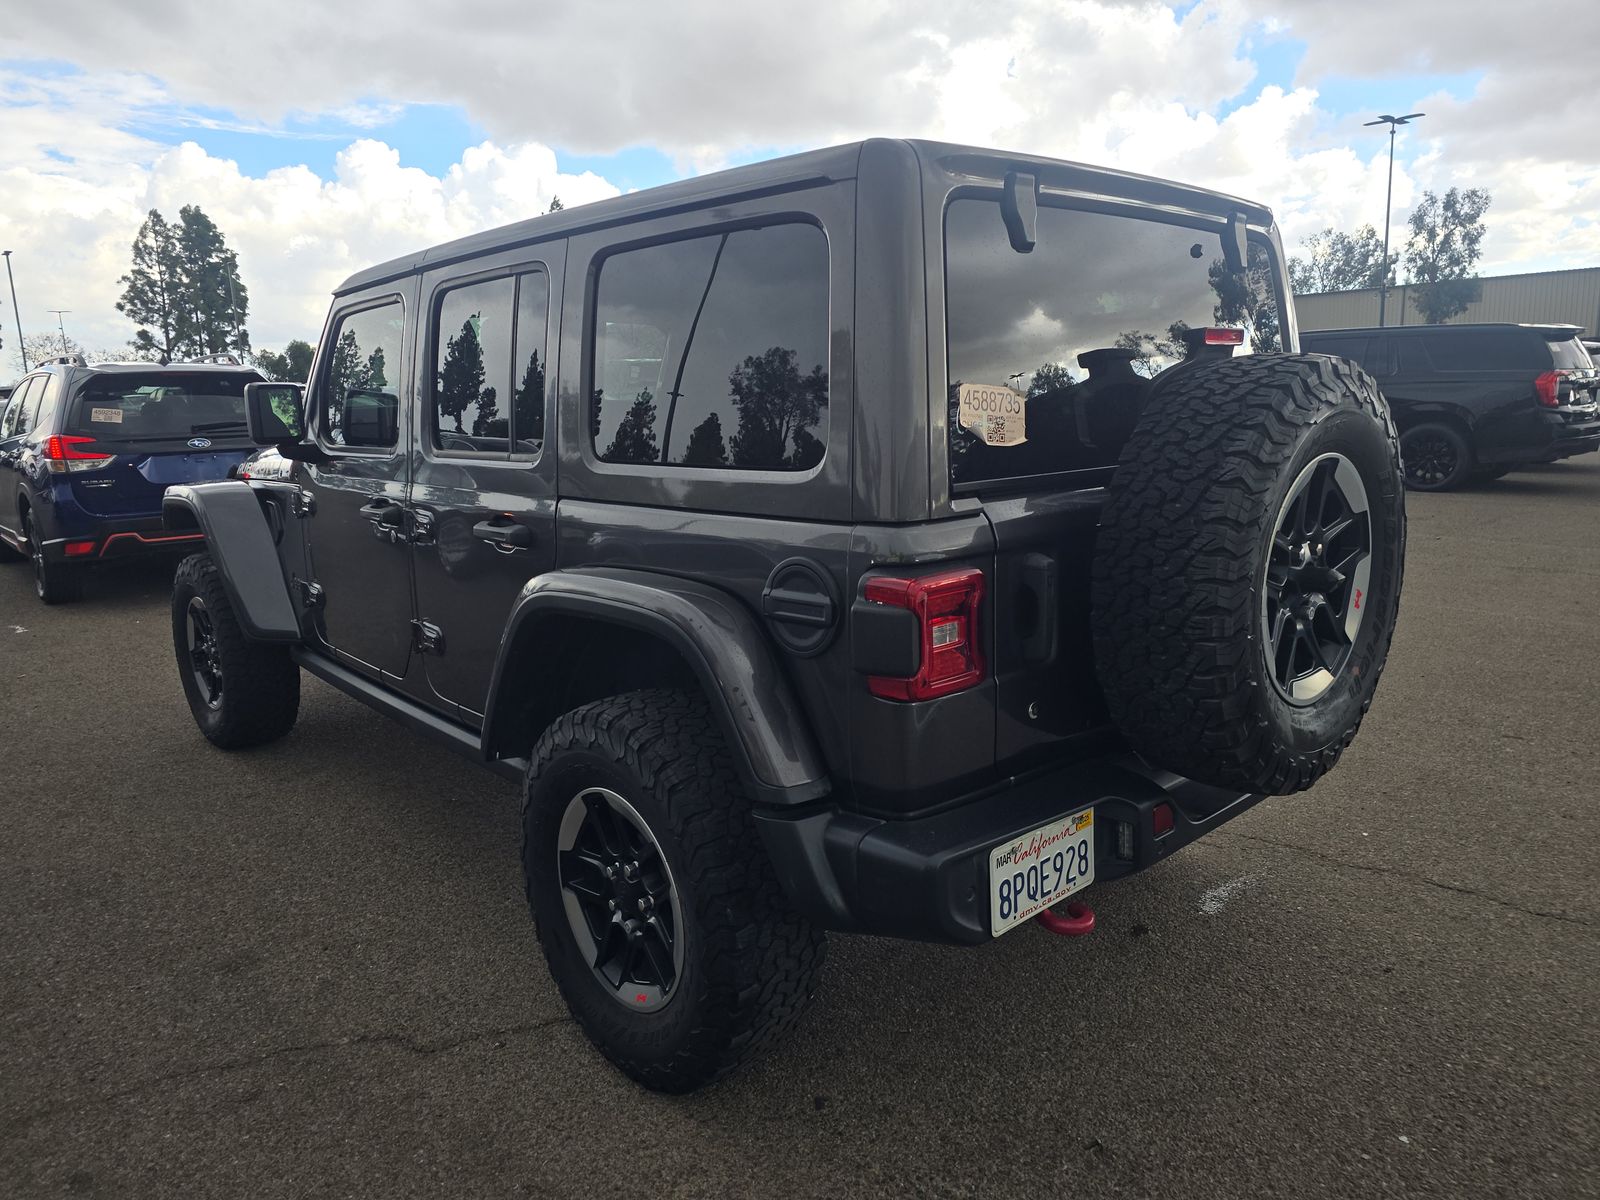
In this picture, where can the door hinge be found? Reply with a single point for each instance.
(304, 503)
(310, 593)
(429, 638)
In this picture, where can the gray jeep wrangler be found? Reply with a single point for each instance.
(899, 538)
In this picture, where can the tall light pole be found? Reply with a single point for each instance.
(1388, 198)
(61, 325)
(22, 347)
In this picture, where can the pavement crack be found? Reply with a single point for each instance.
(245, 1062)
(1413, 876)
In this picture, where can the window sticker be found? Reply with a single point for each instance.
(106, 416)
(995, 413)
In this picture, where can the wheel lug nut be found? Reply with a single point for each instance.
(612, 905)
(611, 872)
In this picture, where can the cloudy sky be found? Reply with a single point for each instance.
(325, 137)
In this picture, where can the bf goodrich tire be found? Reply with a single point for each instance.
(659, 912)
(242, 693)
(1247, 570)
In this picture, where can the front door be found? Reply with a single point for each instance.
(356, 537)
(483, 498)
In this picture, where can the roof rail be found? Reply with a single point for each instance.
(226, 360)
(68, 360)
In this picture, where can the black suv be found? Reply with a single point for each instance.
(895, 538)
(86, 453)
(1477, 401)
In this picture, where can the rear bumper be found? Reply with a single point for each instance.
(121, 538)
(928, 879)
(1542, 436)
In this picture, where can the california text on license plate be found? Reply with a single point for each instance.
(1030, 873)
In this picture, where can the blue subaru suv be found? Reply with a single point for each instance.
(86, 453)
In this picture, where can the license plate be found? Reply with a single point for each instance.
(1030, 873)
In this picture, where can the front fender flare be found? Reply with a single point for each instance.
(716, 636)
(240, 543)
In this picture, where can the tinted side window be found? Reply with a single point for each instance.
(49, 403)
(17, 410)
(528, 395)
(360, 398)
(1353, 348)
(1488, 350)
(1412, 356)
(713, 352)
(472, 367)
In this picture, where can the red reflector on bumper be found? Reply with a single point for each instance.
(79, 549)
(1163, 820)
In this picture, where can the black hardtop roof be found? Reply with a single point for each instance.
(1554, 332)
(129, 368)
(779, 174)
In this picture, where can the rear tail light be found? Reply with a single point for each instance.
(1548, 385)
(946, 608)
(61, 454)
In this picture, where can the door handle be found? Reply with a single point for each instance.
(383, 512)
(504, 533)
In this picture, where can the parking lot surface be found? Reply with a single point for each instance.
(308, 970)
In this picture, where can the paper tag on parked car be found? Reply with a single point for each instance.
(106, 416)
(996, 414)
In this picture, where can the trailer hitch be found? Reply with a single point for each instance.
(1079, 920)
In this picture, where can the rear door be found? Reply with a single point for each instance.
(163, 427)
(13, 427)
(483, 496)
(357, 552)
(1065, 341)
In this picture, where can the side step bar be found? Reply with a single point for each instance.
(457, 737)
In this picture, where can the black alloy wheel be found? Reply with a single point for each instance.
(205, 659)
(53, 583)
(620, 899)
(1316, 578)
(1436, 458)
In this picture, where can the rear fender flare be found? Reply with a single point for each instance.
(241, 544)
(716, 636)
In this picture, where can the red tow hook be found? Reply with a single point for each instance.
(1078, 921)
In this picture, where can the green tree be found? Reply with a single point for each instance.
(42, 347)
(152, 289)
(706, 446)
(775, 402)
(461, 377)
(1446, 243)
(292, 366)
(555, 205)
(527, 401)
(213, 300)
(1248, 298)
(1341, 262)
(635, 440)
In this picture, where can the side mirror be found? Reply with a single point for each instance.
(275, 412)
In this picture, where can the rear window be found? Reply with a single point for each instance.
(1570, 355)
(1056, 348)
(158, 406)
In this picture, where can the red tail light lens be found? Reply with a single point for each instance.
(946, 606)
(1548, 385)
(1217, 335)
(61, 454)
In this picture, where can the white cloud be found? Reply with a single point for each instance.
(1129, 83)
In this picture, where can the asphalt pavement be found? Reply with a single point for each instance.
(308, 971)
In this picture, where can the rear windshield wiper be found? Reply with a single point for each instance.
(216, 426)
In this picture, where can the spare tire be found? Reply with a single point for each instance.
(1247, 569)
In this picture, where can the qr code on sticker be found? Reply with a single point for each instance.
(997, 429)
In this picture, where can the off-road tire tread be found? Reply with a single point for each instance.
(761, 957)
(1172, 595)
(261, 683)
